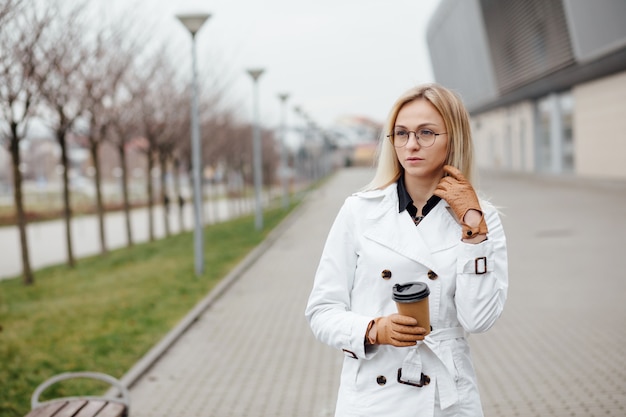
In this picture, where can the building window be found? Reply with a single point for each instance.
(554, 139)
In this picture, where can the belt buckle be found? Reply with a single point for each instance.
(480, 265)
(424, 380)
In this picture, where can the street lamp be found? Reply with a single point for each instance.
(283, 149)
(256, 150)
(193, 22)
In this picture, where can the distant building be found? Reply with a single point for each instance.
(544, 80)
(364, 154)
(356, 139)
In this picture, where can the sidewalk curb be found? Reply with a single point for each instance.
(149, 359)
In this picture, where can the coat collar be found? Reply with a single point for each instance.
(384, 225)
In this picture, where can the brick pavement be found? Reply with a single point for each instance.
(558, 350)
(560, 347)
(252, 352)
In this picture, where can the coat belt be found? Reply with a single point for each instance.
(440, 362)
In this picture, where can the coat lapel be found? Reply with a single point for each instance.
(397, 231)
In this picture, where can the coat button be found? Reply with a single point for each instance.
(386, 274)
(432, 275)
(381, 380)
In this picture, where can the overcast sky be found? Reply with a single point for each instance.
(334, 57)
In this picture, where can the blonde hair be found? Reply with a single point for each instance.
(456, 119)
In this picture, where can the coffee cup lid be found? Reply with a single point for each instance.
(410, 292)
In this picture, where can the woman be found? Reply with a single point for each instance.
(418, 220)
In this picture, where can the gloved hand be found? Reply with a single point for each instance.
(461, 197)
(397, 330)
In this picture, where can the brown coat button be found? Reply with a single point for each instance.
(381, 380)
(432, 275)
(386, 274)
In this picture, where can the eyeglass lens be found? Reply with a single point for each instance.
(424, 137)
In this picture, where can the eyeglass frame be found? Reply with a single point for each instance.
(417, 138)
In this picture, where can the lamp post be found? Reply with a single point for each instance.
(193, 23)
(283, 149)
(256, 151)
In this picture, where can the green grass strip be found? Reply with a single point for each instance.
(108, 311)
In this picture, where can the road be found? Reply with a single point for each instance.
(47, 244)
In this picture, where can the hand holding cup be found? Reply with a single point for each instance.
(397, 330)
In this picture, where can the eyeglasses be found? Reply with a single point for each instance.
(425, 137)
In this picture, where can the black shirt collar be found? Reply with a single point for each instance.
(405, 202)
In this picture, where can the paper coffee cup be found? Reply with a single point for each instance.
(412, 300)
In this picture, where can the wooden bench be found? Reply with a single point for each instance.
(81, 406)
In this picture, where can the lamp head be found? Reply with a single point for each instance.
(255, 73)
(193, 21)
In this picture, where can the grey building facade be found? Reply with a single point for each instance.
(545, 81)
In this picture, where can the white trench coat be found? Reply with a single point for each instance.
(370, 248)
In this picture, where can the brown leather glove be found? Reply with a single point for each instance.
(461, 197)
(398, 330)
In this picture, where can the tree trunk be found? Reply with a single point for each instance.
(67, 209)
(27, 274)
(129, 232)
(150, 197)
(98, 185)
(243, 198)
(179, 195)
(164, 195)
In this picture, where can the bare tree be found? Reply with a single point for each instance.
(174, 122)
(59, 79)
(164, 148)
(9, 8)
(152, 116)
(19, 40)
(124, 106)
(123, 128)
(102, 73)
(230, 146)
(271, 158)
(181, 156)
(180, 198)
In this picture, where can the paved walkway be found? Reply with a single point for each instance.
(558, 350)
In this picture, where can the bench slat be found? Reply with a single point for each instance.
(113, 410)
(80, 408)
(91, 409)
(71, 408)
(47, 410)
